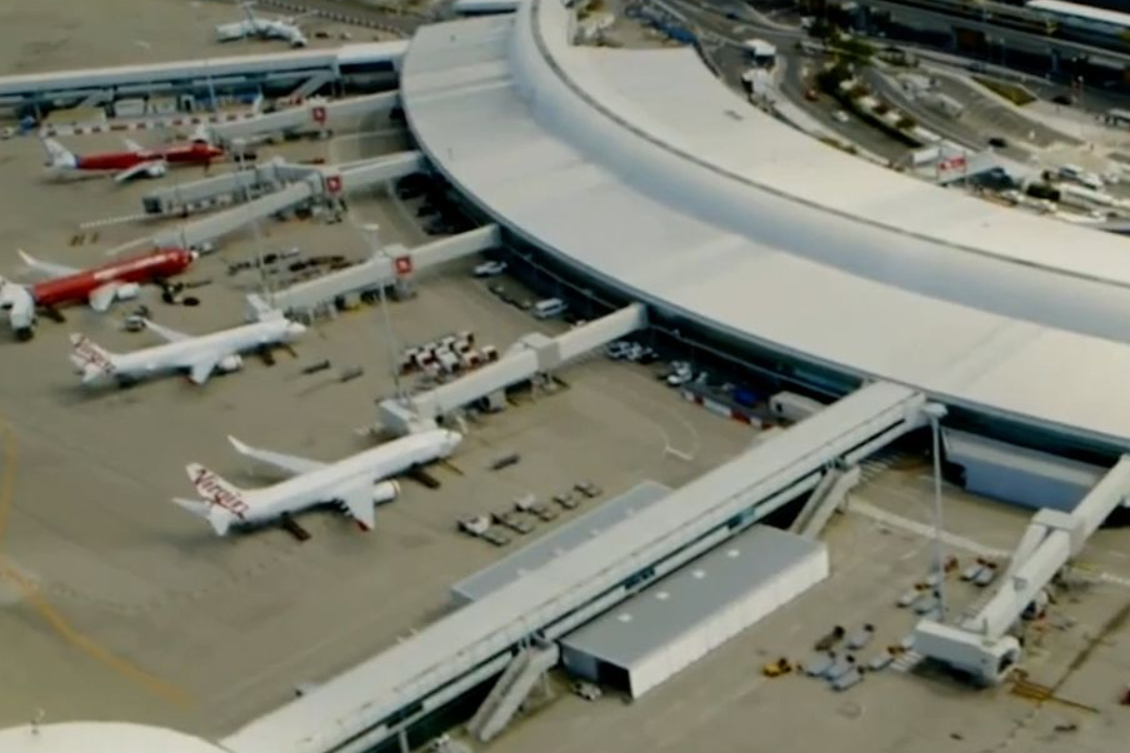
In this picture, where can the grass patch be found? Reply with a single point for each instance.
(1014, 93)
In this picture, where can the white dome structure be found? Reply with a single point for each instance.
(100, 737)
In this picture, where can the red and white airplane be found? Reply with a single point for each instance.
(98, 287)
(137, 161)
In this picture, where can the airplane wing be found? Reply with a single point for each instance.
(202, 368)
(100, 298)
(290, 464)
(357, 499)
(46, 269)
(132, 145)
(140, 170)
(167, 334)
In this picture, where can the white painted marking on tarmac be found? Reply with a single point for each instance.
(922, 529)
(107, 221)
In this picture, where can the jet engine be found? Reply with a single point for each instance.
(230, 363)
(386, 491)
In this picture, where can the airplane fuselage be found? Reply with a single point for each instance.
(320, 486)
(196, 153)
(176, 356)
(77, 288)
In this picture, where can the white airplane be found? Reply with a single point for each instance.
(357, 483)
(253, 26)
(199, 356)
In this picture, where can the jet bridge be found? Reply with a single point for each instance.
(316, 183)
(532, 355)
(980, 645)
(314, 115)
(234, 187)
(385, 697)
(306, 299)
(229, 188)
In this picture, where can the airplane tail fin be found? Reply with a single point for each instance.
(219, 518)
(90, 360)
(209, 484)
(58, 155)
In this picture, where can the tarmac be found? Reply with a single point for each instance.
(116, 604)
(45, 36)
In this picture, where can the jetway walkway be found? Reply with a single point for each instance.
(532, 355)
(511, 689)
(383, 269)
(199, 233)
(379, 699)
(314, 183)
(234, 187)
(312, 116)
(981, 645)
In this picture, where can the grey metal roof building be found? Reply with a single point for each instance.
(641, 171)
(663, 629)
(559, 541)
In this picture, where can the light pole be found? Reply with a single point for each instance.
(373, 229)
(936, 412)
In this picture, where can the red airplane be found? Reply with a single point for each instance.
(99, 287)
(137, 161)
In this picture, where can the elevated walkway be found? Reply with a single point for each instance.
(314, 115)
(532, 355)
(307, 299)
(310, 184)
(374, 701)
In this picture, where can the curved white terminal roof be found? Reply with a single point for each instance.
(100, 737)
(642, 169)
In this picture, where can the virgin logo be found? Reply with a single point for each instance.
(214, 490)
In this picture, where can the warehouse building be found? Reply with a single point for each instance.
(685, 616)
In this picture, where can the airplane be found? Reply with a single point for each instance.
(253, 26)
(357, 483)
(200, 356)
(137, 161)
(119, 280)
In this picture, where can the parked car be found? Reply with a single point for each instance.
(618, 349)
(490, 269)
(476, 525)
(680, 376)
(840, 117)
(586, 690)
(998, 142)
(588, 488)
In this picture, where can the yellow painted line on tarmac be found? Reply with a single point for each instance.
(46, 610)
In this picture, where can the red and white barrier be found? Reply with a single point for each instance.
(734, 413)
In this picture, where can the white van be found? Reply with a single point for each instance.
(549, 307)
